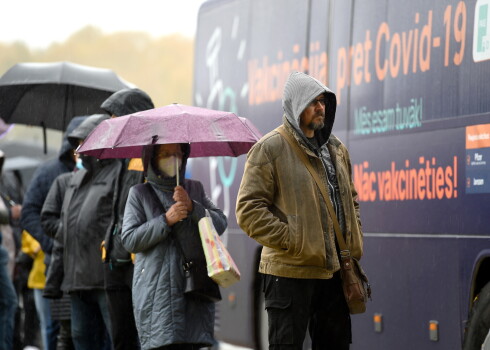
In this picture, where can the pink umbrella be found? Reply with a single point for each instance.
(210, 133)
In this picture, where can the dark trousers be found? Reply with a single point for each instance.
(65, 341)
(292, 303)
(90, 320)
(124, 333)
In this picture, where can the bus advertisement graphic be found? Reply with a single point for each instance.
(411, 80)
(481, 31)
(477, 154)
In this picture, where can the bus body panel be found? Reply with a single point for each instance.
(411, 80)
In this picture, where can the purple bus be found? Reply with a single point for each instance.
(414, 111)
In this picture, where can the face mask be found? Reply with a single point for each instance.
(79, 164)
(168, 165)
(88, 162)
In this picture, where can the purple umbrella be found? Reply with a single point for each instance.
(210, 133)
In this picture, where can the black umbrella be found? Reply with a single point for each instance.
(50, 94)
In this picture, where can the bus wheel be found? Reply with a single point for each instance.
(479, 321)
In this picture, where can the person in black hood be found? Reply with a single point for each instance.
(84, 219)
(118, 267)
(30, 219)
(39, 186)
(127, 101)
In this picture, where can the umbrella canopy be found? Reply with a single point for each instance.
(50, 94)
(210, 133)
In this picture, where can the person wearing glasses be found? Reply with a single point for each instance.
(280, 205)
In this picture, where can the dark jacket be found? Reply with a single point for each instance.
(85, 217)
(119, 268)
(51, 211)
(40, 185)
(51, 222)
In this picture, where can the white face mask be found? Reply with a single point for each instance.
(170, 166)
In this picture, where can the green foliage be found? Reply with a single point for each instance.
(160, 66)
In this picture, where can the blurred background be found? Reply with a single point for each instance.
(148, 43)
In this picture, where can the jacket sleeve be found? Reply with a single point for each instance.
(199, 211)
(31, 210)
(255, 200)
(140, 233)
(55, 273)
(51, 210)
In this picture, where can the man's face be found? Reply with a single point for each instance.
(313, 117)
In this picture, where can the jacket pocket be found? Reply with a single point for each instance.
(295, 235)
(280, 321)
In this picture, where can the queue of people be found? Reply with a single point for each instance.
(114, 234)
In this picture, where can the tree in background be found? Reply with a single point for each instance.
(160, 66)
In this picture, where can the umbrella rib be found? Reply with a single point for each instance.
(117, 141)
(182, 111)
(248, 127)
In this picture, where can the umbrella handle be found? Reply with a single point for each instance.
(177, 174)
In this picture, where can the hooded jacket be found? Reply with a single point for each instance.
(127, 101)
(119, 269)
(40, 184)
(50, 220)
(86, 215)
(163, 314)
(279, 203)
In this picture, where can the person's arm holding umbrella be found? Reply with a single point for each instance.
(196, 210)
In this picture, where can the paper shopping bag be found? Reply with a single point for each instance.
(221, 267)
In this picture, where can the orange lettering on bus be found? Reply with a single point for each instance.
(395, 55)
(357, 64)
(384, 30)
(426, 40)
(341, 71)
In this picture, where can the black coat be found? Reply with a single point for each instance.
(119, 267)
(85, 218)
(39, 187)
(51, 222)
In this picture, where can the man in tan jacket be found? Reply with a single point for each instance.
(281, 207)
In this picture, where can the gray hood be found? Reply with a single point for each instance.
(66, 150)
(85, 128)
(299, 91)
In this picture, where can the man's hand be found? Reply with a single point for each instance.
(180, 195)
(176, 213)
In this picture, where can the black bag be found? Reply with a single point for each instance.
(115, 253)
(198, 284)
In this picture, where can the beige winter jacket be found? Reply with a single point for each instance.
(280, 206)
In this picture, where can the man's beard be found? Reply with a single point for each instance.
(313, 125)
